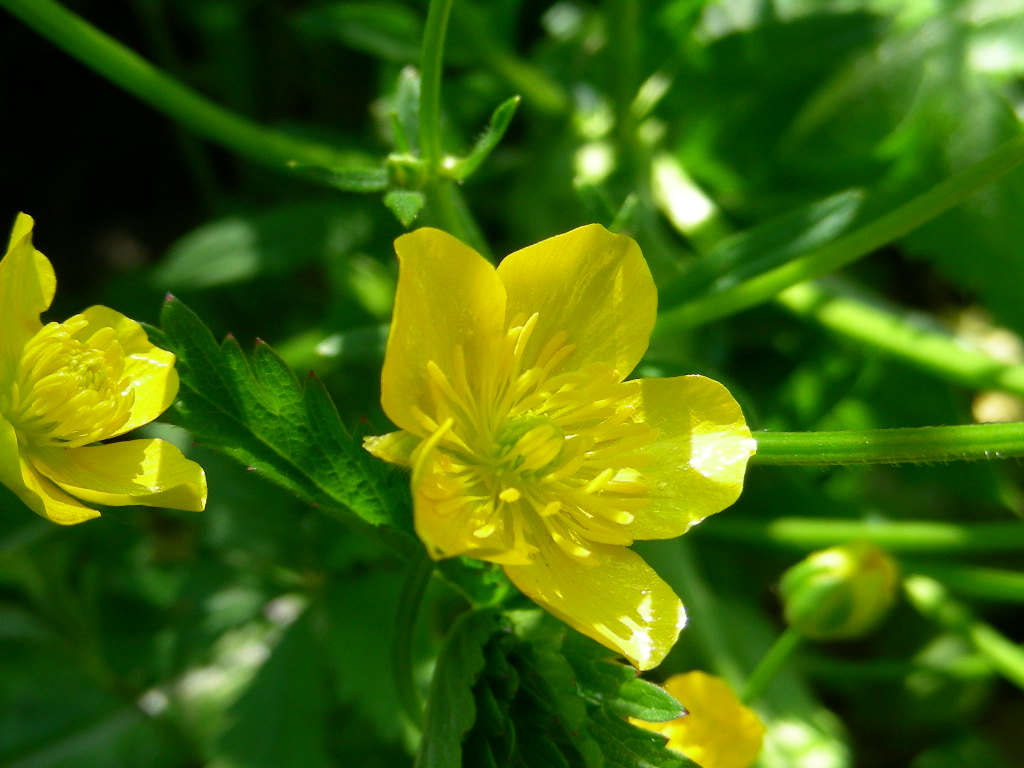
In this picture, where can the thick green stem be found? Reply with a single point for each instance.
(431, 65)
(770, 665)
(807, 534)
(416, 580)
(106, 56)
(848, 248)
(969, 442)
(932, 600)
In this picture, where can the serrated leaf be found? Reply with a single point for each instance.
(264, 418)
(406, 204)
(626, 746)
(451, 710)
(489, 139)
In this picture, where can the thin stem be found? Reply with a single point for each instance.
(992, 584)
(969, 442)
(431, 62)
(109, 58)
(806, 534)
(933, 601)
(909, 337)
(770, 664)
(416, 580)
(857, 244)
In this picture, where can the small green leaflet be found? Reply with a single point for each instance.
(258, 413)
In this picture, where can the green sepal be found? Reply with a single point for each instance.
(406, 204)
(464, 167)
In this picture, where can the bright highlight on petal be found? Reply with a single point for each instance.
(717, 731)
(65, 386)
(528, 448)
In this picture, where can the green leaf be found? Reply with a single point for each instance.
(389, 31)
(267, 242)
(361, 180)
(406, 204)
(280, 718)
(489, 139)
(764, 247)
(263, 417)
(626, 746)
(451, 710)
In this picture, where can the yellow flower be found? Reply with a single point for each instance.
(717, 731)
(527, 447)
(65, 386)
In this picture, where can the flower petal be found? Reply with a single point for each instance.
(695, 466)
(394, 447)
(46, 499)
(27, 285)
(717, 731)
(590, 284)
(618, 600)
(153, 473)
(448, 299)
(148, 367)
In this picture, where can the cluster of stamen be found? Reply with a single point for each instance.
(70, 389)
(535, 452)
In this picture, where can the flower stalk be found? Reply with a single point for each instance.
(912, 445)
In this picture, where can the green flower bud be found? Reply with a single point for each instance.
(840, 592)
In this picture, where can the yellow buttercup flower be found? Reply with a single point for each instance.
(65, 386)
(527, 447)
(717, 731)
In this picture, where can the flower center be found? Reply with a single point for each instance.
(70, 388)
(537, 454)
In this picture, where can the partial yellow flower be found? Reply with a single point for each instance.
(717, 731)
(65, 386)
(527, 447)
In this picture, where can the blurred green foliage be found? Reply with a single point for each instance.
(259, 633)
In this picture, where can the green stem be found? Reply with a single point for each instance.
(109, 58)
(913, 338)
(933, 601)
(539, 91)
(770, 664)
(968, 442)
(991, 584)
(431, 64)
(857, 244)
(807, 534)
(416, 580)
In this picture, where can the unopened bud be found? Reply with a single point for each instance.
(840, 592)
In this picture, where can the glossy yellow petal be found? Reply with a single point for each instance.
(449, 311)
(153, 473)
(10, 465)
(27, 285)
(618, 599)
(717, 731)
(149, 369)
(695, 466)
(590, 285)
(47, 500)
(394, 447)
